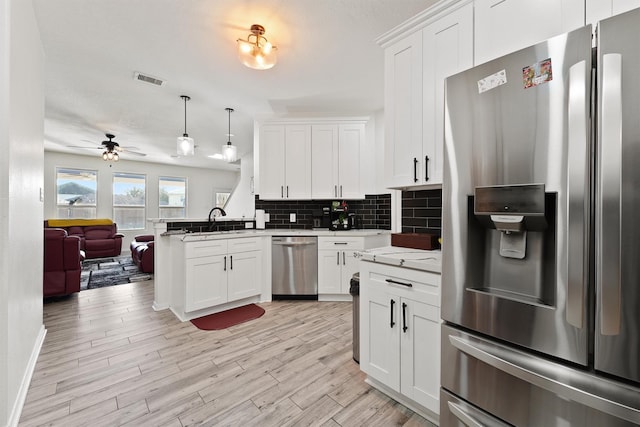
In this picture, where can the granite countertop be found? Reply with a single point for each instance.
(186, 237)
(405, 257)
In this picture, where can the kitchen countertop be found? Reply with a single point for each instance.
(405, 257)
(189, 237)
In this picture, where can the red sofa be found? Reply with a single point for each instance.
(98, 237)
(142, 252)
(62, 257)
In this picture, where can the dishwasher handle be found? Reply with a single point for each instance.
(281, 243)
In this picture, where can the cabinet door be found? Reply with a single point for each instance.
(350, 266)
(329, 271)
(324, 168)
(403, 110)
(271, 166)
(383, 337)
(298, 162)
(447, 49)
(420, 352)
(504, 26)
(206, 282)
(244, 278)
(350, 141)
(601, 9)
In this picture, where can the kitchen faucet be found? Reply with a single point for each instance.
(211, 223)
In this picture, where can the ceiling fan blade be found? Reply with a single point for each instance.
(84, 146)
(127, 148)
(133, 152)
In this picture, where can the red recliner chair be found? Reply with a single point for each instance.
(62, 266)
(142, 252)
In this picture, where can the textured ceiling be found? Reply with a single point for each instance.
(328, 64)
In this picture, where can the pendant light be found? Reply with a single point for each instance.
(186, 146)
(229, 152)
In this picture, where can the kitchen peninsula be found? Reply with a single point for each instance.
(204, 272)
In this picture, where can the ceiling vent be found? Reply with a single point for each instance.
(149, 79)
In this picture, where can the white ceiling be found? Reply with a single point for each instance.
(328, 64)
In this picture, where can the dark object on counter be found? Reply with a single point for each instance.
(415, 240)
(354, 290)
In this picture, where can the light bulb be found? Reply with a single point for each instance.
(267, 48)
(110, 155)
(104, 155)
(116, 157)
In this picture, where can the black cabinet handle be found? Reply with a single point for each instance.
(282, 192)
(404, 318)
(225, 263)
(392, 323)
(335, 190)
(409, 285)
(415, 170)
(344, 261)
(287, 191)
(231, 259)
(338, 258)
(340, 243)
(426, 168)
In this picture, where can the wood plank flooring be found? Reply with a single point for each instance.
(108, 360)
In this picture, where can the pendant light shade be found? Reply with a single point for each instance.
(185, 145)
(256, 51)
(229, 152)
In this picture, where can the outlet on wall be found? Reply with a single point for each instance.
(292, 217)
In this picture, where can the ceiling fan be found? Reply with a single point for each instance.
(111, 149)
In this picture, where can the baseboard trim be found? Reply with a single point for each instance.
(159, 307)
(16, 411)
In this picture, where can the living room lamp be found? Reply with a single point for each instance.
(229, 152)
(256, 51)
(186, 146)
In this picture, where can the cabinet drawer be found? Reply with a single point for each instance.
(244, 244)
(205, 248)
(341, 243)
(421, 286)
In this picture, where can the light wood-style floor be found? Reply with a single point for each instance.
(108, 359)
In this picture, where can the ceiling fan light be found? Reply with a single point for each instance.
(109, 155)
(186, 146)
(116, 157)
(105, 156)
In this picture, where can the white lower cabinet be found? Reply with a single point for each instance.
(337, 261)
(221, 271)
(400, 331)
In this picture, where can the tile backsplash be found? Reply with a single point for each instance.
(422, 211)
(373, 212)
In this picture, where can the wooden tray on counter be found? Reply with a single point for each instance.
(415, 240)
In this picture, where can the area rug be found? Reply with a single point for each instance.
(110, 271)
(228, 318)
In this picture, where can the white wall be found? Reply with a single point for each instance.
(21, 246)
(242, 204)
(201, 184)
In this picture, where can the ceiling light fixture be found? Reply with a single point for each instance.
(256, 51)
(229, 152)
(186, 145)
(110, 154)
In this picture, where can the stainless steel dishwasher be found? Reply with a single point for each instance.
(294, 267)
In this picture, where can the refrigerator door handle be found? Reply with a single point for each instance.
(577, 202)
(462, 416)
(610, 196)
(523, 367)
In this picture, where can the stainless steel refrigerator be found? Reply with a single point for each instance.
(541, 227)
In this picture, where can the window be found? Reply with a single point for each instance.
(129, 201)
(173, 197)
(76, 193)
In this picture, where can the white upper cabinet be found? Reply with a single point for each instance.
(447, 48)
(504, 26)
(285, 162)
(350, 143)
(601, 9)
(403, 110)
(415, 69)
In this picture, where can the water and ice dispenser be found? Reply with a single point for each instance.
(512, 239)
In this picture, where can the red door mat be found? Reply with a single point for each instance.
(228, 318)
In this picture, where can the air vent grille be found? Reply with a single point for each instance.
(149, 79)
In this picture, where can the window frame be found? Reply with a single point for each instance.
(72, 207)
(125, 207)
(183, 179)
